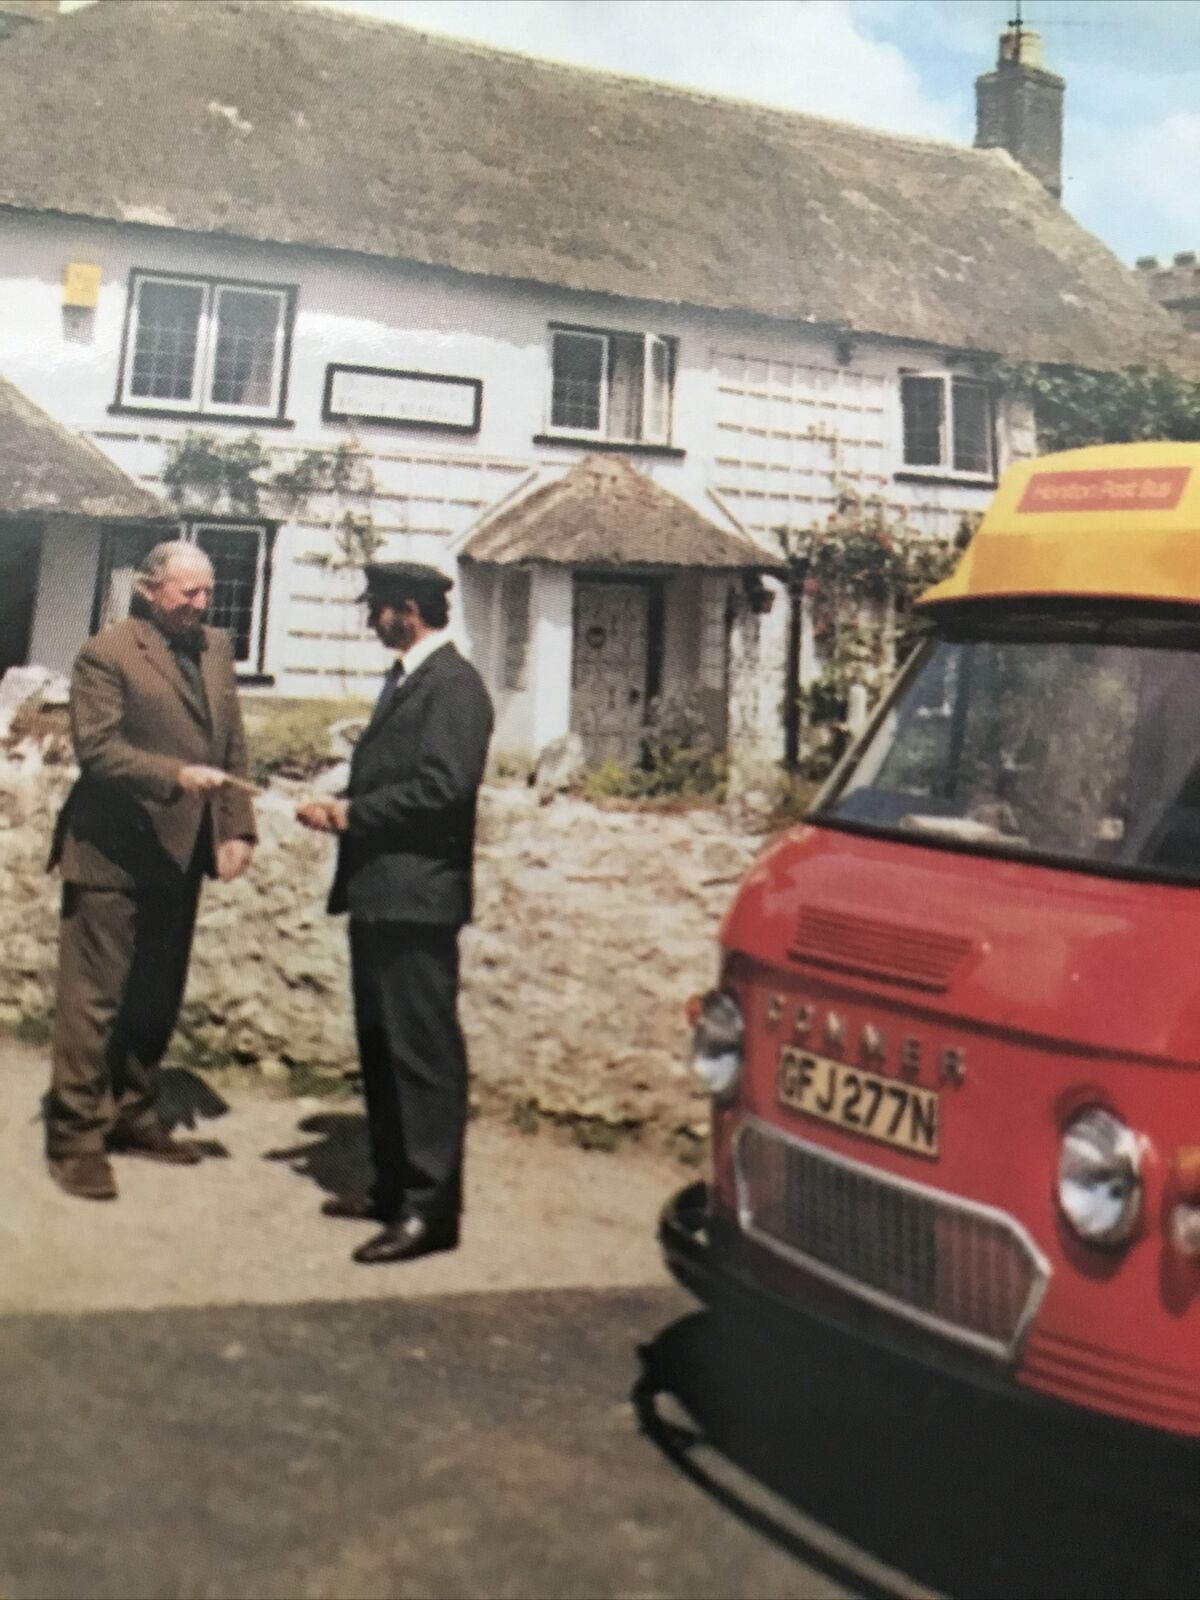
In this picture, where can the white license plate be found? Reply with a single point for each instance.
(861, 1102)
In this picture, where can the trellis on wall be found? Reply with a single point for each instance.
(789, 431)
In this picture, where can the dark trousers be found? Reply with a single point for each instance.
(122, 965)
(414, 1063)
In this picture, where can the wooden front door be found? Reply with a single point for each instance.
(608, 671)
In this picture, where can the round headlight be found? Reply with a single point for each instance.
(1099, 1181)
(718, 1041)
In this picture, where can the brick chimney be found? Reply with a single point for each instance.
(1019, 108)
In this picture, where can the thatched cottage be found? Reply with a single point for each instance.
(589, 340)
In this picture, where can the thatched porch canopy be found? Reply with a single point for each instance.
(604, 515)
(48, 471)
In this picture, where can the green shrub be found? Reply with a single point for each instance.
(795, 795)
(679, 760)
(290, 738)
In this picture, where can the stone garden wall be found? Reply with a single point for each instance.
(593, 926)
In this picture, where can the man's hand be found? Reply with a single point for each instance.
(200, 780)
(233, 857)
(323, 816)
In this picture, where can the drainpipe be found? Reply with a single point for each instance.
(797, 573)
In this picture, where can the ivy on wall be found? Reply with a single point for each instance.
(1076, 407)
(233, 477)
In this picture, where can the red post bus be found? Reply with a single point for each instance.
(954, 1050)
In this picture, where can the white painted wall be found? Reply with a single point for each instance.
(551, 607)
(63, 614)
(764, 413)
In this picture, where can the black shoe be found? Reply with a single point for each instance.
(407, 1239)
(355, 1207)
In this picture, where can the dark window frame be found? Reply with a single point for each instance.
(944, 469)
(253, 670)
(132, 406)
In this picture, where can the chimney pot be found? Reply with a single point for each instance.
(1022, 46)
(1185, 258)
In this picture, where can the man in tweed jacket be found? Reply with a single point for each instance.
(157, 731)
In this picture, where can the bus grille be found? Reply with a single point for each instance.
(959, 1268)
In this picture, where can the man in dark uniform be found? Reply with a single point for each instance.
(158, 732)
(405, 854)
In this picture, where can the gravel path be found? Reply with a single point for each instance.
(244, 1228)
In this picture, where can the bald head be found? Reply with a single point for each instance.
(176, 583)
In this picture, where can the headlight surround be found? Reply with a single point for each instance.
(718, 1043)
(1099, 1177)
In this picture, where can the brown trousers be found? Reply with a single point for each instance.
(123, 961)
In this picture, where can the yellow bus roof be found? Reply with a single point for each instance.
(1114, 521)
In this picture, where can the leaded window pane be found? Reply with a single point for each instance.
(923, 403)
(234, 553)
(578, 374)
(244, 359)
(168, 333)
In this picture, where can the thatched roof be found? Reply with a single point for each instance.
(300, 125)
(45, 470)
(604, 514)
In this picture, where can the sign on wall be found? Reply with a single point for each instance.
(401, 399)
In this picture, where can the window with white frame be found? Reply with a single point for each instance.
(239, 555)
(614, 386)
(201, 346)
(948, 424)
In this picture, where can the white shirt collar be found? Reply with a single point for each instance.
(422, 650)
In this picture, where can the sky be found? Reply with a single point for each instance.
(1131, 165)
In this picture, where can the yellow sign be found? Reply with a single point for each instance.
(81, 285)
(1114, 521)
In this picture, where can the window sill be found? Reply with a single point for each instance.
(958, 479)
(625, 447)
(218, 418)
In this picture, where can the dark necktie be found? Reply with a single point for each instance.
(390, 684)
(187, 660)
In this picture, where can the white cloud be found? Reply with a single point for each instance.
(807, 55)
(1165, 160)
(1136, 186)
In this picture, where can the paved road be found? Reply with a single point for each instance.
(474, 1445)
(200, 1396)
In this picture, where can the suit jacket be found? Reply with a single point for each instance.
(407, 852)
(134, 722)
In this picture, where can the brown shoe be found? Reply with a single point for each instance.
(156, 1144)
(87, 1176)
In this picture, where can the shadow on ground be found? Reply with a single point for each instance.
(336, 1155)
(185, 1100)
(954, 1489)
